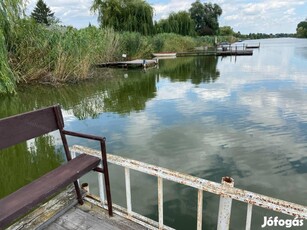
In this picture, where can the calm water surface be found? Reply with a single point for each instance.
(244, 117)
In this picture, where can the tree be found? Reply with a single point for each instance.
(179, 23)
(42, 14)
(226, 31)
(205, 17)
(125, 15)
(301, 29)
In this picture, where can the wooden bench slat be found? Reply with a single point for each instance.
(22, 127)
(27, 197)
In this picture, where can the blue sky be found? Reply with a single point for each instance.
(246, 16)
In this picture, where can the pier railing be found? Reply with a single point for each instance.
(225, 190)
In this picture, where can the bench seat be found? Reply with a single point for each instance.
(27, 197)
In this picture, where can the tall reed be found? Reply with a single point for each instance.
(10, 11)
(7, 81)
(61, 54)
(170, 42)
(135, 45)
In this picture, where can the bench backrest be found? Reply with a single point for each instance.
(19, 128)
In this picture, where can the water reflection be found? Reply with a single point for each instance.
(22, 163)
(88, 99)
(195, 69)
(131, 94)
(249, 123)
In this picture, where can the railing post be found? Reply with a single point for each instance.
(249, 217)
(225, 206)
(128, 191)
(160, 202)
(200, 209)
(73, 154)
(101, 187)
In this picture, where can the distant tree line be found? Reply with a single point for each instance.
(263, 35)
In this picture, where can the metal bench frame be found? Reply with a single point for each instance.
(22, 127)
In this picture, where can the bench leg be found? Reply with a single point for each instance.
(78, 193)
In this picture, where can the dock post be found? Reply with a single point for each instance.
(225, 206)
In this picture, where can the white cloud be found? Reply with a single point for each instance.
(212, 94)
(268, 16)
(175, 91)
(162, 10)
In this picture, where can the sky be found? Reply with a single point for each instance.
(246, 16)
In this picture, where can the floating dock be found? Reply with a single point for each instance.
(234, 53)
(144, 63)
(216, 53)
(138, 63)
(253, 46)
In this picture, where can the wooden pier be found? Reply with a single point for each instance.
(138, 63)
(252, 46)
(232, 52)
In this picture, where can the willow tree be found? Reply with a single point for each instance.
(125, 15)
(205, 17)
(178, 23)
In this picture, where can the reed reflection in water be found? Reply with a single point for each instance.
(243, 117)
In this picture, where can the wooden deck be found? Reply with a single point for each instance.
(91, 217)
(64, 212)
(216, 53)
(138, 63)
(234, 52)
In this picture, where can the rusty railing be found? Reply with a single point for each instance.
(225, 189)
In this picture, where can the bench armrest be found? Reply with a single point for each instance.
(103, 170)
(82, 135)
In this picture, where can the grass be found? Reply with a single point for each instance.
(7, 81)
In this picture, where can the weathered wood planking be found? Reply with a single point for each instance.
(47, 212)
(92, 217)
(216, 53)
(130, 64)
(27, 197)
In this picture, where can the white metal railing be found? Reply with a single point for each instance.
(226, 190)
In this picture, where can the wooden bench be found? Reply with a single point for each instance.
(19, 128)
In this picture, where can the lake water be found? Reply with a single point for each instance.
(244, 117)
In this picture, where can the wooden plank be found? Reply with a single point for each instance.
(16, 129)
(133, 63)
(89, 216)
(216, 53)
(48, 212)
(24, 199)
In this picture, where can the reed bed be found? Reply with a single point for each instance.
(55, 54)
